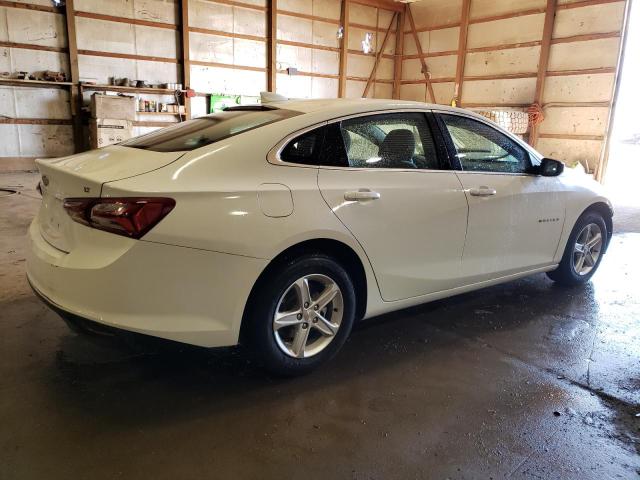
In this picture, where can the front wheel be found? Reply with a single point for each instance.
(300, 315)
(583, 252)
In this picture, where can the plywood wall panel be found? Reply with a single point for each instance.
(156, 42)
(581, 55)
(249, 22)
(586, 152)
(298, 6)
(227, 80)
(210, 48)
(435, 41)
(363, 14)
(295, 29)
(214, 16)
(19, 59)
(325, 34)
(575, 120)
(443, 92)
(414, 92)
(249, 53)
(324, 87)
(296, 57)
(36, 140)
(579, 88)
(498, 62)
(355, 89)
(489, 8)
(323, 61)
(507, 31)
(105, 36)
(501, 91)
(382, 90)
(592, 19)
(360, 65)
(431, 13)
(34, 27)
(326, 8)
(296, 86)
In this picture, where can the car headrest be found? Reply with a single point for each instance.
(397, 149)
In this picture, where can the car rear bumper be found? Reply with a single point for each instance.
(182, 294)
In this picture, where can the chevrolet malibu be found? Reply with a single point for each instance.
(280, 225)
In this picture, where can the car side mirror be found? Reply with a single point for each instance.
(550, 167)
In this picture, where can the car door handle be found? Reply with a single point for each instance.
(482, 191)
(362, 195)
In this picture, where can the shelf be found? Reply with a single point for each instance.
(117, 88)
(163, 113)
(14, 82)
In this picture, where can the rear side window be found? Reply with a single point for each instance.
(207, 130)
(320, 146)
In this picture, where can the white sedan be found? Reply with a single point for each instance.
(280, 225)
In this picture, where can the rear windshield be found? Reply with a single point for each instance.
(207, 130)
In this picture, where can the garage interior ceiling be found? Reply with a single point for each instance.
(560, 54)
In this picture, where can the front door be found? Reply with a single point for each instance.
(405, 207)
(515, 217)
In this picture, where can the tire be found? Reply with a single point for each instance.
(276, 347)
(567, 273)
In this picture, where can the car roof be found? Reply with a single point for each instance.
(346, 106)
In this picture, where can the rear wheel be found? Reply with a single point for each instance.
(300, 315)
(583, 252)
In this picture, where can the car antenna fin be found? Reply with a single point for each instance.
(270, 97)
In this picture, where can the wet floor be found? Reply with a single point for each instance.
(523, 380)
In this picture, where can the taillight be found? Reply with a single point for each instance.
(131, 217)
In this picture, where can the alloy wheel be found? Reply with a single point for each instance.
(308, 316)
(587, 249)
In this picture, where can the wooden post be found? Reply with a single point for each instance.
(272, 37)
(186, 55)
(75, 100)
(423, 63)
(344, 49)
(543, 63)
(372, 76)
(397, 63)
(462, 52)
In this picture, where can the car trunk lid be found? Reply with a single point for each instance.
(83, 175)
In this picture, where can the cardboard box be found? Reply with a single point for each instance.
(111, 106)
(107, 131)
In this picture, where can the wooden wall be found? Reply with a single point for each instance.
(562, 54)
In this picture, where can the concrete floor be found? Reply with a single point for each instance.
(524, 380)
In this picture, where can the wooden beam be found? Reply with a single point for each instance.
(571, 136)
(506, 16)
(228, 65)
(272, 41)
(389, 5)
(462, 52)
(425, 69)
(128, 56)
(306, 16)
(76, 95)
(130, 21)
(35, 121)
(374, 70)
(586, 3)
(30, 6)
(543, 63)
(397, 62)
(220, 33)
(344, 47)
(185, 42)
(585, 38)
(31, 46)
(234, 3)
(14, 82)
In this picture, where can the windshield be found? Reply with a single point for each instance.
(207, 130)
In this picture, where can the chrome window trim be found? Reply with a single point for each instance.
(274, 154)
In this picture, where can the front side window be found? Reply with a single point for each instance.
(208, 129)
(394, 140)
(482, 148)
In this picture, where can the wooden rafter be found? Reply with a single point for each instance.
(423, 63)
(186, 54)
(76, 97)
(272, 40)
(344, 48)
(543, 63)
(374, 70)
(397, 63)
(462, 52)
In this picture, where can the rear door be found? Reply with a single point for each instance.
(515, 216)
(400, 200)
